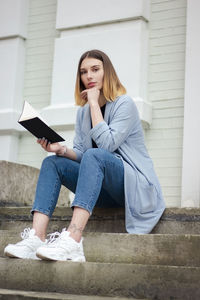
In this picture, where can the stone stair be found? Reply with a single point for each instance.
(173, 220)
(162, 265)
(21, 295)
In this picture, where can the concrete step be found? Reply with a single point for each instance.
(102, 220)
(155, 249)
(173, 221)
(23, 295)
(102, 279)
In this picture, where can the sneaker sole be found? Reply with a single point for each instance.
(80, 259)
(10, 255)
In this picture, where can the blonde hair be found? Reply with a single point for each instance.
(112, 87)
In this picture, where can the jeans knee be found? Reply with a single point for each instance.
(49, 160)
(96, 153)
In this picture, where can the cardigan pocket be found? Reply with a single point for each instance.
(148, 202)
(147, 196)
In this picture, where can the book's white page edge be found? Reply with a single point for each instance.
(28, 112)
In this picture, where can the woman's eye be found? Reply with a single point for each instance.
(95, 70)
(83, 72)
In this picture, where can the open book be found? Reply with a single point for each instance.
(33, 122)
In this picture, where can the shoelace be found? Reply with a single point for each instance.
(54, 237)
(55, 240)
(27, 237)
(25, 234)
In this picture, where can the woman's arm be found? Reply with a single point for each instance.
(124, 121)
(75, 153)
(57, 148)
(92, 95)
(67, 152)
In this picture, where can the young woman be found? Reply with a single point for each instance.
(108, 166)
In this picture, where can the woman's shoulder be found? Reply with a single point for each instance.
(125, 101)
(124, 98)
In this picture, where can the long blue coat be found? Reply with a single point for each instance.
(121, 133)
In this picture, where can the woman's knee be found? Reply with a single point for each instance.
(52, 161)
(49, 160)
(96, 153)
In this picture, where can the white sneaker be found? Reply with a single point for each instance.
(62, 247)
(27, 247)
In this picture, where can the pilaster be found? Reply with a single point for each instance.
(191, 141)
(13, 22)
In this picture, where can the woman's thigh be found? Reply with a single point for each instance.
(101, 176)
(69, 171)
(112, 191)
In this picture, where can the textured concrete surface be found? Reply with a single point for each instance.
(18, 183)
(22, 295)
(173, 221)
(110, 279)
(179, 220)
(175, 250)
(102, 220)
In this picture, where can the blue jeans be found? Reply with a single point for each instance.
(98, 180)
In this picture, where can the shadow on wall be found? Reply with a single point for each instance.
(18, 184)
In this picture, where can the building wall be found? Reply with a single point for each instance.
(166, 91)
(38, 70)
(13, 34)
(166, 85)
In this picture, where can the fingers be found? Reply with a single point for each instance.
(88, 93)
(84, 94)
(43, 142)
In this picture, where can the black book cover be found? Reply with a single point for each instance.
(39, 129)
(32, 121)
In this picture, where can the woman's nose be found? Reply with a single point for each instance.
(89, 74)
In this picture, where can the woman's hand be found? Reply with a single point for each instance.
(55, 147)
(91, 95)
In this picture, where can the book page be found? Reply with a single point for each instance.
(29, 112)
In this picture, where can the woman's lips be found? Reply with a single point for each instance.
(91, 84)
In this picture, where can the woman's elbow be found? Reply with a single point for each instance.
(108, 146)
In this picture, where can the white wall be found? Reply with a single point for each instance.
(41, 33)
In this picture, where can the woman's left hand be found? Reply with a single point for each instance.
(91, 95)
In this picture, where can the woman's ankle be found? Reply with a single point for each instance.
(75, 232)
(75, 237)
(41, 236)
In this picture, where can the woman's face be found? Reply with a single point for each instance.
(91, 72)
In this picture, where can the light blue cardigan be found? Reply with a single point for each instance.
(121, 133)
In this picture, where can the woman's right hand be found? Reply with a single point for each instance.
(55, 147)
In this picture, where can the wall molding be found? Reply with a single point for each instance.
(63, 116)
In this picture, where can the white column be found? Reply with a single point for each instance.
(120, 28)
(13, 23)
(191, 142)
